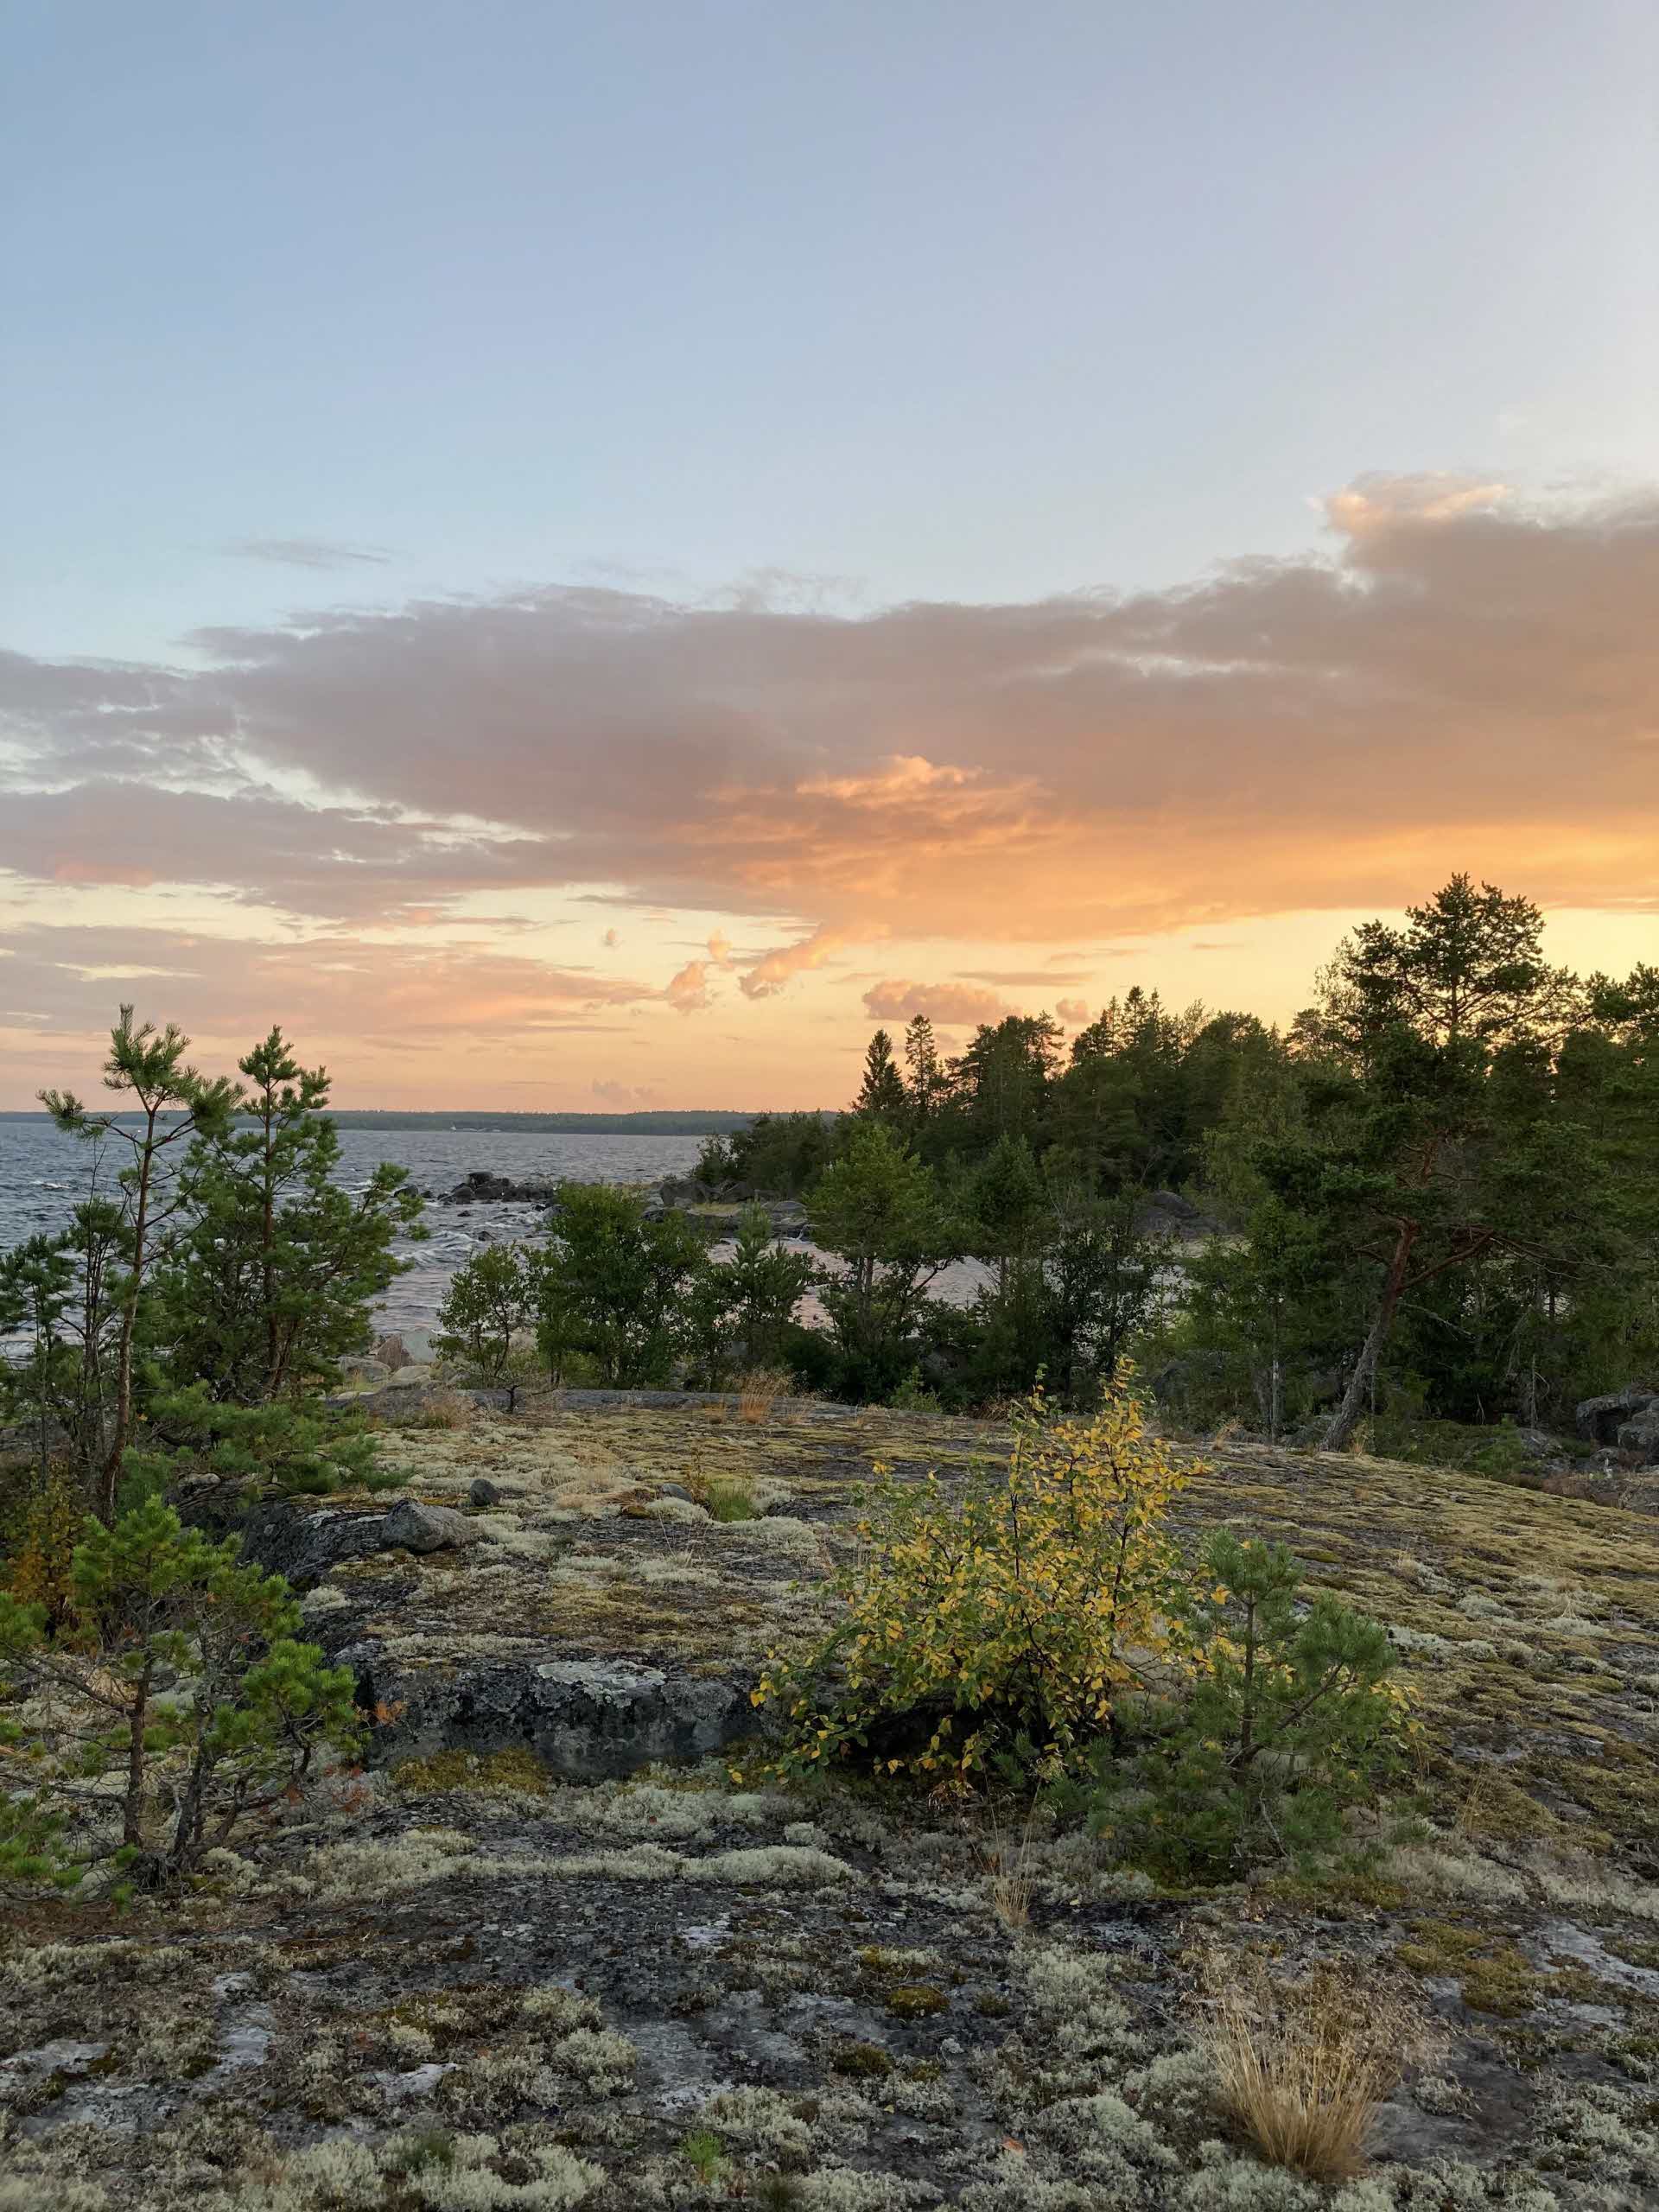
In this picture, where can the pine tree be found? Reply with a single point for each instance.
(147, 1066)
(615, 1286)
(155, 1602)
(1426, 1023)
(272, 1283)
(878, 1208)
(488, 1302)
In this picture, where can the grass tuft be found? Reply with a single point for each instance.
(726, 1498)
(759, 1391)
(1303, 2066)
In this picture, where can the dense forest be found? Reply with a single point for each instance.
(1434, 1197)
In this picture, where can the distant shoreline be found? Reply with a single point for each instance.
(660, 1121)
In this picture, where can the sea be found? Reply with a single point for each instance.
(43, 1174)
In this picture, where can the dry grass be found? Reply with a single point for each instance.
(1472, 1813)
(443, 1409)
(1008, 1873)
(759, 1391)
(1305, 2065)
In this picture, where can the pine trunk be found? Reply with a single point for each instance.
(1355, 1398)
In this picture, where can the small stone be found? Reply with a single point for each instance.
(412, 1527)
(677, 1490)
(483, 1491)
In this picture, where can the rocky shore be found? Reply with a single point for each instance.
(718, 1206)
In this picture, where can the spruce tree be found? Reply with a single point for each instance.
(881, 1095)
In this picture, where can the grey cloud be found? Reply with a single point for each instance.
(1462, 682)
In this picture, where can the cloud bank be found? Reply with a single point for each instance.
(1457, 678)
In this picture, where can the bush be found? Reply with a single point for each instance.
(177, 1702)
(1288, 1719)
(40, 1529)
(488, 1301)
(296, 1445)
(1017, 1610)
(615, 1287)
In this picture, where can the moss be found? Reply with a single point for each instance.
(916, 2000)
(882, 1961)
(1341, 1891)
(1636, 2055)
(485, 1774)
(1495, 1977)
(1503, 1983)
(862, 2061)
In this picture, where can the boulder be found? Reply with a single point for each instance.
(1599, 1420)
(1642, 1436)
(412, 1527)
(284, 1537)
(364, 1374)
(483, 1491)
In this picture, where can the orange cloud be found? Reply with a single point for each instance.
(959, 1004)
(776, 968)
(688, 991)
(1456, 679)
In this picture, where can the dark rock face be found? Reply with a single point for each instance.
(283, 1538)
(586, 1720)
(1600, 1420)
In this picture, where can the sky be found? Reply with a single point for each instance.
(581, 557)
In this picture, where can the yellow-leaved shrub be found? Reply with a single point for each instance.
(38, 1550)
(1014, 1607)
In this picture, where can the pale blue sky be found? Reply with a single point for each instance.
(954, 300)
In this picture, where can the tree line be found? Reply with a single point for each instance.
(1437, 1189)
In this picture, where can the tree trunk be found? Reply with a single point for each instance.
(132, 1828)
(267, 1250)
(1363, 1379)
(111, 1475)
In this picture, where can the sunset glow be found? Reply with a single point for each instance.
(391, 691)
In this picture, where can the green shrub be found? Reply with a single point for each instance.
(705, 2153)
(1288, 1719)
